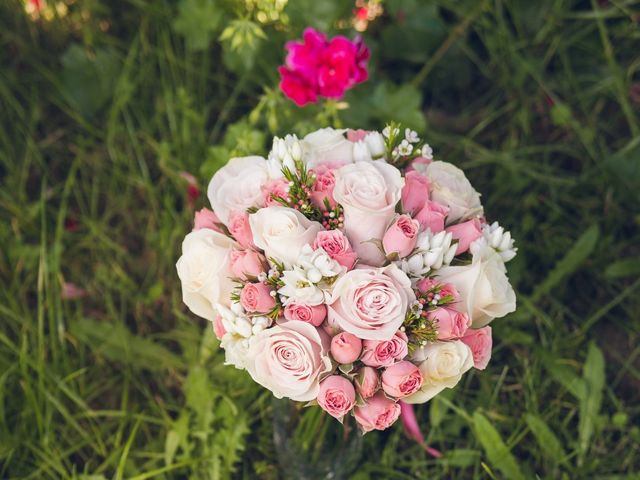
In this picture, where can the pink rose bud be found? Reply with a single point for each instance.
(323, 187)
(256, 297)
(356, 135)
(346, 348)
(205, 218)
(415, 192)
(432, 216)
(337, 396)
(379, 413)
(449, 322)
(246, 263)
(401, 379)
(240, 229)
(337, 247)
(401, 237)
(465, 233)
(278, 188)
(218, 327)
(382, 353)
(331, 327)
(480, 342)
(367, 382)
(313, 314)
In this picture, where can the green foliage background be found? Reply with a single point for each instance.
(103, 103)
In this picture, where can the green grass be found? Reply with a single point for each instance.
(102, 108)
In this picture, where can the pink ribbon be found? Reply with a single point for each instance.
(412, 429)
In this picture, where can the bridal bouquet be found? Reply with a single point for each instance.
(348, 269)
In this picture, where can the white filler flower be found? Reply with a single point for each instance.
(432, 252)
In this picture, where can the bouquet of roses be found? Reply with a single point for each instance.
(350, 270)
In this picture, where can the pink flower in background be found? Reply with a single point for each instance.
(193, 190)
(70, 291)
(319, 66)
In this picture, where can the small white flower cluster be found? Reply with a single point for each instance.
(371, 147)
(306, 282)
(284, 153)
(432, 252)
(495, 237)
(240, 330)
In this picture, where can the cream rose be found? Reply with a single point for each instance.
(282, 232)
(371, 303)
(485, 291)
(326, 145)
(237, 186)
(204, 271)
(442, 365)
(368, 192)
(450, 187)
(289, 359)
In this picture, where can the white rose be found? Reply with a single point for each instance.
(485, 291)
(204, 271)
(368, 192)
(237, 186)
(450, 187)
(289, 360)
(325, 146)
(282, 232)
(442, 365)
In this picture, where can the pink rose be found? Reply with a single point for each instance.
(401, 237)
(480, 342)
(449, 322)
(415, 192)
(205, 218)
(279, 188)
(240, 229)
(401, 379)
(313, 314)
(356, 135)
(323, 187)
(345, 348)
(465, 233)
(289, 359)
(367, 382)
(386, 352)
(337, 247)
(379, 413)
(256, 297)
(371, 303)
(432, 216)
(218, 327)
(337, 396)
(246, 263)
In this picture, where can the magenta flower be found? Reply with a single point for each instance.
(321, 67)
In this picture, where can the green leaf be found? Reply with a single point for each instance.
(629, 267)
(593, 374)
(116, 343)
(547, 440)
(570, 262)
(87, 80)
(498, 453)
(565, 376)
(198, 22)
(459, 457)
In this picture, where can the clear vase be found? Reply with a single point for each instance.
(312, 445)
